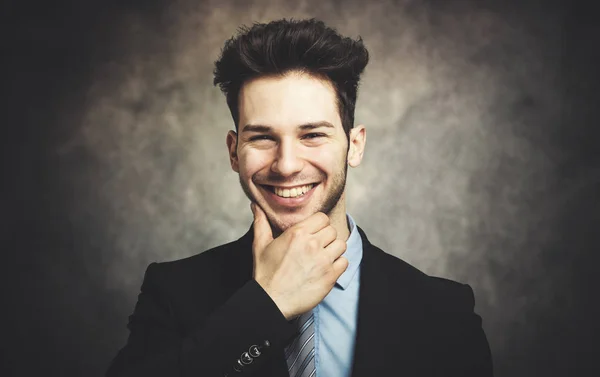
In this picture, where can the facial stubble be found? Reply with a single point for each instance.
(331, 199)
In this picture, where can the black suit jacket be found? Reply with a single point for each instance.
(196, 317)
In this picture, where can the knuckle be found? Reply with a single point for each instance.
(297, 232)
(312, 244)
(339, 244)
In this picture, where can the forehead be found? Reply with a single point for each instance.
(288, 101)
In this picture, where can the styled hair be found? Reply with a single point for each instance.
(281, 47)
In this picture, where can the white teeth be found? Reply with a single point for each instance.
(292, 193)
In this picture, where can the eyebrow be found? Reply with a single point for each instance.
(305, 126)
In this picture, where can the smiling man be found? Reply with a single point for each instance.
(303, 293)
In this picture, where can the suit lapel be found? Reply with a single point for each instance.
(370, 302)
(386, 314)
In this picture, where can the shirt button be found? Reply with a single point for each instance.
(238, 366)
(246, 359)
(254, 351)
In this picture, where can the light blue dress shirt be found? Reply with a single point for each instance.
(335, 317)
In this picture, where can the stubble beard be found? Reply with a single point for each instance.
(332, 197)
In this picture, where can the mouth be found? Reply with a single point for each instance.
(287, 197)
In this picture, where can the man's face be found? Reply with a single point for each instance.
(301, 142)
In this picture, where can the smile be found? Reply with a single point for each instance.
(294, 192)
(286, 196)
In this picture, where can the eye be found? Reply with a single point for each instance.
(315, 135)
(260, 137)
(312, 135)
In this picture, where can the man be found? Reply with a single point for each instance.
(303, 292)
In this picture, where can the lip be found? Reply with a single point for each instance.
(288, 202)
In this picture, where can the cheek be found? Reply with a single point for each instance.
(253, 162)
(327, 161)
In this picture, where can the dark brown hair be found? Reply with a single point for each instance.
(282, 46)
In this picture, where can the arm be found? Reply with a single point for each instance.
(156, 347)
(471, 356)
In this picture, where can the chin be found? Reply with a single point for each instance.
(284, 221)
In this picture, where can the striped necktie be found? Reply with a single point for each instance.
(300, 354)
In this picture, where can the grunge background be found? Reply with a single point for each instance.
(481, 163)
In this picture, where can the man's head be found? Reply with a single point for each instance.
(291, 87)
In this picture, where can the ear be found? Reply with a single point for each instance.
(231, 141)
(358, 139)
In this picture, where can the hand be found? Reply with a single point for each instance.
(300, 267)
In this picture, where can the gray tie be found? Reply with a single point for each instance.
(300, 354)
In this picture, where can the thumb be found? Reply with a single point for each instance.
(262, 230)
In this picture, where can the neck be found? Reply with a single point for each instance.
(343, 230)
(339, 221)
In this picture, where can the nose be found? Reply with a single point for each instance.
(287, 161)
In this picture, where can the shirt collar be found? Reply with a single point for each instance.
(353, 253)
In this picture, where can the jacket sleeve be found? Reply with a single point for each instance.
(242, 333)
(471, 356)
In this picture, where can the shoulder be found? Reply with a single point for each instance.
(206, 264)
(428, 292)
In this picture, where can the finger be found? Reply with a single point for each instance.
(262, 230)
(326, 235)
(339, 266)
(336, 249)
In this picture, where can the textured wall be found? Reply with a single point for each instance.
(462, 177)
